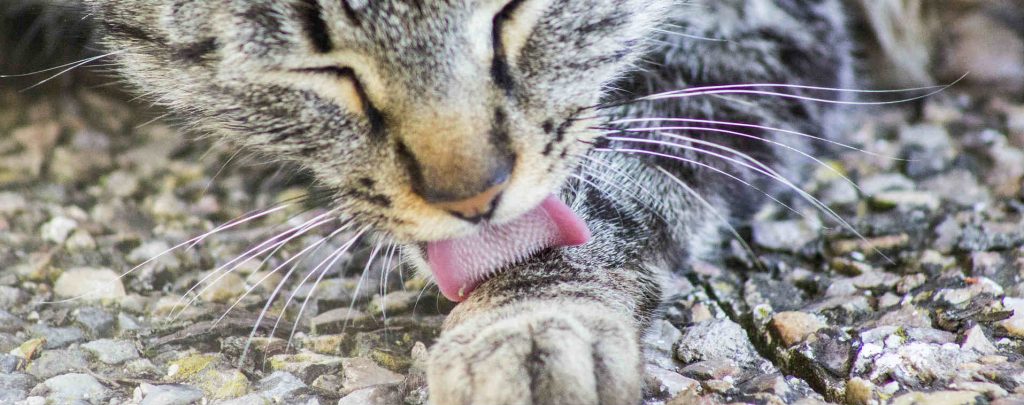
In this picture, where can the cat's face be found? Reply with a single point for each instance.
(423, 116)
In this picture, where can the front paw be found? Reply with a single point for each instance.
(544, 354)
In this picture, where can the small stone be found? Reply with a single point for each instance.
(307, 366)
(112, 351)
(336, 320)
(223, 287)
(15, 387)
(90, 284)
(939, 398)
(95, 321)
(264, 281)
(668, 383)
(1015, 324)
(169, 394)
(55, 362)
(58, 229)
(10, 363)
(361, 373)
(70, 388)
(906, 200)
(975, 339)
(792, 326)
(8, 322)
(711, 369)
(393, 303)
(714, 340)
(861, 392)
(881, 183)
(280, 387)
(787, 236)
(376, 395)
(58, 337)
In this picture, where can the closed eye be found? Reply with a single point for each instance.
(500, 64)
(373, 115)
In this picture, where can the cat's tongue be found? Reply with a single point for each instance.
(460, 265)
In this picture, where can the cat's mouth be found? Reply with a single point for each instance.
(460, 265)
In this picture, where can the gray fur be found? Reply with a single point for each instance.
(564, 325)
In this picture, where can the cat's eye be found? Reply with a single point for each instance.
(507, 39)
(359, 99)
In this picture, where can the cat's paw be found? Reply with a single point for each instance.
(555, 355)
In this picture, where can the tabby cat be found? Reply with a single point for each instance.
(547, 162)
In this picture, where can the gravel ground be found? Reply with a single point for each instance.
(927, 307)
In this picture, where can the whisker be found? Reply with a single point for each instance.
(745, 135)
(714, 211)
(338, 253)
(359, 284)
(755, 126)
(270, 301)
(704, 165)
(274, 244)
(73, 67)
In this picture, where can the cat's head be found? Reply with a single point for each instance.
(425, 117)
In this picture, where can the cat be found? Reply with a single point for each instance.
(549, 163)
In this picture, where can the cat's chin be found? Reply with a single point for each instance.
(460, 265)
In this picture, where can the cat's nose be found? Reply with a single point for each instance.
(477, 207)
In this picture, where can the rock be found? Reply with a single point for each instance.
(280, 387)
(716, 369)
(58, 337)
(69, 388)
(719, 339)
(8, 322)
(361, 373)
(90, 284)
(975, 339)
(792, 326)
(787, 236)
(58, 229)
(959, 187)
(667, 383)
(10, 363)
(928, 149)
(939, 398)
(659, 342)
(861, 392)
(169, 394)
(1015, 324)
(96, 322)
(55, 362)
(905, 200)
(881, 183)
(112, 351)
(337, 320)
(991, 236)
(222, 287)
(376, 395)
(15, 387)
(393, 303)
(307, 366)
(251, 399)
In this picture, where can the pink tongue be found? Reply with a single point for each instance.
(460, 265)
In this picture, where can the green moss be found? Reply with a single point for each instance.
(191, 365)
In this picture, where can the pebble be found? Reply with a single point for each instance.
(58, 337)
(280, 387)
(361, 373)
(222, 287)
(376, 395)
(58, 229)
(55, 362)
(95, 321)
(89, 283)
(394, 303)
(69, 388)
(307, 366)
(15, 387)
(718, 339)
(788, 236)
(1015, 324)
(112, 351)
(906, 200)
(337, 320)
(939, 398)
(668, 383)
(793, 326)
(169, 394)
